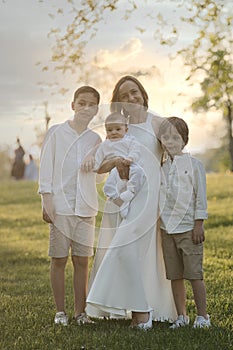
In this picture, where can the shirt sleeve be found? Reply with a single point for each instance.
(134, 150)
(200, 192)
(47, 163)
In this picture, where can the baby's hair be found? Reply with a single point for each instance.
(87, 89)
(180, 125)
(116, 118)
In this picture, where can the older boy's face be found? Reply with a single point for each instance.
(85, 106)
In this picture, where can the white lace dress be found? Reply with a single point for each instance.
(128, 272)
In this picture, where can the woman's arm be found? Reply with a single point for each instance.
(120, 163)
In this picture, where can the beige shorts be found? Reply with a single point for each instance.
(183, 258)
(72, 232)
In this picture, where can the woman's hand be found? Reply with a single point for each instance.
(122, 166)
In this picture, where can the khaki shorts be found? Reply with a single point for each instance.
(73, 232)
(183, 258)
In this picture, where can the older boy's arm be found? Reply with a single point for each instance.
(48, 207)
(46, 178)
(200, 203)
(88, 163)
(198, 235)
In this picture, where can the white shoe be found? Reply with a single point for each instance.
(61, 318)
(181, 321)
(202, 322)
(146, 325)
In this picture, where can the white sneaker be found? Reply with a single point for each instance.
(61, 318)
(83, 319)
(181, 321)
(202, 322)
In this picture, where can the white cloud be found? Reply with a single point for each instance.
(128, 50)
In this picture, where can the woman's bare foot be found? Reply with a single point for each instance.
(139, 317)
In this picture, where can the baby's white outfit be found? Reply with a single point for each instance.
(128, 148)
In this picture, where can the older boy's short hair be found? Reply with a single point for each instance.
(116, 118)
(180, 125)
(87, 89)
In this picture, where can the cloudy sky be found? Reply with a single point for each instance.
(120, 46)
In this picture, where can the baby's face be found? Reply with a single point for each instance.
(172, 142)
(115, 131)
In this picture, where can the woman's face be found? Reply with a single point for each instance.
(130, 97)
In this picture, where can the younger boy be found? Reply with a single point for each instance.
(70, 201)
(119, 144)
(182, 210)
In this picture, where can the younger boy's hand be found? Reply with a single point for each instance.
(198, 235)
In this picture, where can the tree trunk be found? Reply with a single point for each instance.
(230, 126)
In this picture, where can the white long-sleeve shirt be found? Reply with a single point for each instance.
(74, 191)
(182, 193)
(126, 147)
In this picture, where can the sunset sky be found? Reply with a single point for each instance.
(118, 45)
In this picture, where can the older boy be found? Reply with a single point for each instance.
(70, 200)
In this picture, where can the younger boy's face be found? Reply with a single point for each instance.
(172, 142)
(115, 131)
(85, 106)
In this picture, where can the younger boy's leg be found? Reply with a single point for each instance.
(199, 293)
(80, 281)
(179, 295)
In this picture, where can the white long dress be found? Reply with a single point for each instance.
(128, 272)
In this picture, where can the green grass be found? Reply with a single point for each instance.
(26, 303)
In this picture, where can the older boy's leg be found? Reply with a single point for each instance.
(199, 293)
(57, 276)
(80, 280)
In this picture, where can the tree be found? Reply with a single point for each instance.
(212, 55)
(209, 57)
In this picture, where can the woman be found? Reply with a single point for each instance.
(128, 273)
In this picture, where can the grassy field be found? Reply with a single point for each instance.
(27, 308)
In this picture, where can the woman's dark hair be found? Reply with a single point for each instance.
(115, 105)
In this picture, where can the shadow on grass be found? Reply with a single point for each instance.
(215, 221)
